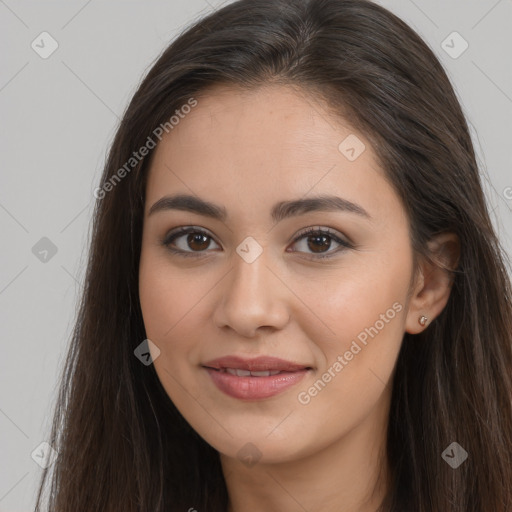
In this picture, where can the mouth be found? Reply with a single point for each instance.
(254, 379)
(247, 373)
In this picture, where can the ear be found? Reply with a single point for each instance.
(433, 283)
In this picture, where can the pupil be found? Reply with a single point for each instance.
(324, 241)
(196, 237)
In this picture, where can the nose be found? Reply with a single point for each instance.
(252, 298)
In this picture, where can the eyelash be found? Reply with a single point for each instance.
(172, 236)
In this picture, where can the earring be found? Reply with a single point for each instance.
(423, 320)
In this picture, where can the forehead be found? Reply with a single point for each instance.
(273, 142)
(282, 117)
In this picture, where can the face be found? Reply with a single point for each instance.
(316, 291)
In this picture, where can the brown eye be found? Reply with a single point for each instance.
(187, 241)
(319, 241)
(198, 241)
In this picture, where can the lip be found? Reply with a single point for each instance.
(257, 364)
(253, 387)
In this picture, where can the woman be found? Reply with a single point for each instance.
(295, 297)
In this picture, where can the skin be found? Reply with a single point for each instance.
(246, 151)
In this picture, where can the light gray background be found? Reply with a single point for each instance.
(58, 118)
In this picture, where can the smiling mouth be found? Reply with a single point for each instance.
(237, 363)
(252, 385)
(247, 373)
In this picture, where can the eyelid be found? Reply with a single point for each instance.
(187, 229)
(326, 230)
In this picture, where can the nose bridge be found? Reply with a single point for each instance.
(253, 296)
(251, 277)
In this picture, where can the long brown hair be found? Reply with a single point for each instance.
(123, 446)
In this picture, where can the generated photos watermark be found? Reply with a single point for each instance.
(304, 397)
(138, 156)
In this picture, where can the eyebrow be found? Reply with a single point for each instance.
(280, 211)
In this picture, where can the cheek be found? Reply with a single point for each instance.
(168, 297)
(169, 308)
(357, 361)
(158, 303)
(176, 305)
(341, 305)
(358, 315)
